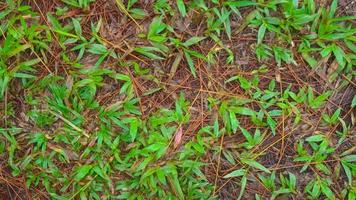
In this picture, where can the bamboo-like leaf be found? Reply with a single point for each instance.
(181, 7)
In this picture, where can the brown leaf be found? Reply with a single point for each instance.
(178, 137)
(71, 154)
(175, 64)
(331, 70)
(278, 77)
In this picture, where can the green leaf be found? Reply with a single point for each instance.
(316, 190)
(18, 49)
(133, 129)
(23, 75)
(279, 192)
(229, 157)
(77, 27)
(247, 135)
(353, 104)
(71, 3)
(272, 124)
(121, 77)
(243, 111)
(275, 113)
(60, 32)
(236, 173)
(326, 190)
(261, 33)
(347, 171)
(190, 63)
(323, 168)
(241, 3)
(303, 19)
(318, 101)
(196, 54)
(99, 171)
(316, 138)
(310, 60)
(349, 158)
(332, 9)
(336, 115)
(161, 176)
(138, 13)
(257, 197)
(234, 122)
(193, 40)
(130, 3)
(30, 63)
(243, 187)
(82, 171)
(148, 52)
(342, 18)
(339, 55)
(244, 83)
(5, 13)
(292, 180)
(175, 185)
(216, 128)
(154, 147)
(252, 15)
(256, 165)
(181, 7)
(155, 29)
(233, 78)
(98, 49)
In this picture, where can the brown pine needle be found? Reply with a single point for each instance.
(124, 10)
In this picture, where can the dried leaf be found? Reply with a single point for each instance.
(175, 64)
(178, 137)
(332, 69)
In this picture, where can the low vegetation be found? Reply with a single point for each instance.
(184, 99)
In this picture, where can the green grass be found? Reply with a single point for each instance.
(166, 111)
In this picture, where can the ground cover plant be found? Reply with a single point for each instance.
(183, 99)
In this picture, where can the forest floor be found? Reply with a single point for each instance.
(181, 99)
